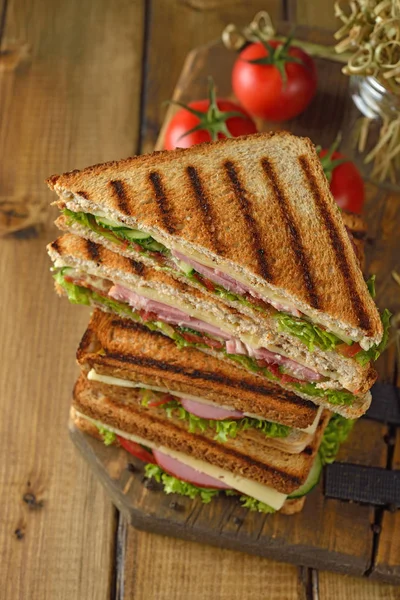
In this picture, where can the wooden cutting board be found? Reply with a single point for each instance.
(327, 534)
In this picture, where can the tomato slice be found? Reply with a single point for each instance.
(349, 351)
(191, 337)
(146, 315)
(136, 450)
(160, 401)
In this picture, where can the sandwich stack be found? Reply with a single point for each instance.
(233, 335)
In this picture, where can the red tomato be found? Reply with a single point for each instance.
(349, 351)
(262, 89)
(136, 450)
(160, 401)
(346, 183)
(184, 120)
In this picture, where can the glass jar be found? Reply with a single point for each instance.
(373, 107)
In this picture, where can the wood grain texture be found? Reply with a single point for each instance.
(337, 587)
(201, 571)
(387, 564)
(68, 95)
(71, 97)
(175, 28)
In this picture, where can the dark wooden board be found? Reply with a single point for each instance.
(327, 534)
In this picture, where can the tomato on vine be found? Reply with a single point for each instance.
(206, 121)
(274, 80)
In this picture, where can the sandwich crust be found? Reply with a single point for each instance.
(251, 459)
(218, 201)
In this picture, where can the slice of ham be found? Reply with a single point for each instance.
(231, 284)
(177, 469)
(164, 312)
(175, 316)
(295, 368)
(206, 411)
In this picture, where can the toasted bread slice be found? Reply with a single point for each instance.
(257, 207)
(121, 348)
(252, 459)
(96, 260)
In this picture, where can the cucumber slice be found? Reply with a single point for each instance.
(107, 222)
(135, 234)
(311, 481)
(187, 269)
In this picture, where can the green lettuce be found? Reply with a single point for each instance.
(311, 335)
(337, 397)
(108, 436)
(224, 429)
(336, 432)
(117, 233)
(365, 356)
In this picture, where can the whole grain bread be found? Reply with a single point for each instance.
(94, 258)
(253, 459)
(258, 207)
(290, 507)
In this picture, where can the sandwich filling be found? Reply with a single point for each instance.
(223, 285)
(185, 331)
(199, 407)
(182, 474)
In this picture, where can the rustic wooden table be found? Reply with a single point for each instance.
(83, 82)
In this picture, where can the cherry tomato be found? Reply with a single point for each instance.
(184, 121)
(136, 450)
(345, 182)
(277, 88)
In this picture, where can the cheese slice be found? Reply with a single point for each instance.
(117, 381)
(256, 490)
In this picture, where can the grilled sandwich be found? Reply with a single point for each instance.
(249, 220)
(265, 478)
(91, 274)
(143, 366)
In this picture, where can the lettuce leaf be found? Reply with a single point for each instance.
(108, 436)
(223, 428)
(336, 432)
(117, 234)
(255, 505)
(365, 356)
(337, 397)
(311, 335)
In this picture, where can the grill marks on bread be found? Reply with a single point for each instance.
(338, 246)
(162, 201)
(93, 250)
(205, 207)
(254, 237)
(119, 192)
(294, 233)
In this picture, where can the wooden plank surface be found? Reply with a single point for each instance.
(200, 571)
(57, 113)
